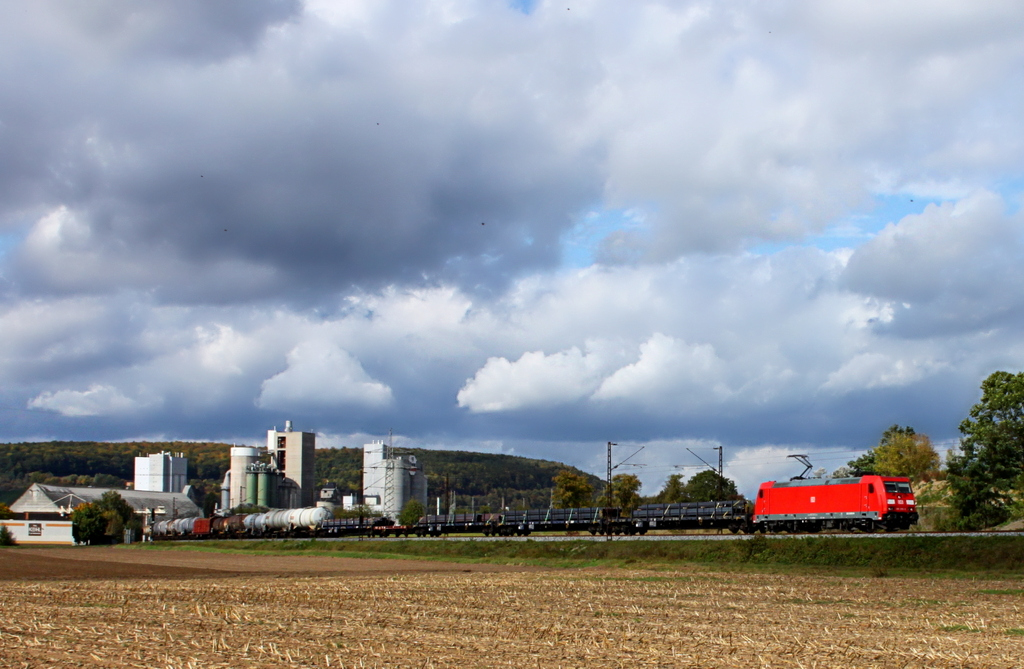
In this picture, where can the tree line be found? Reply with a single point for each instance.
(473, 480)
(573, 491)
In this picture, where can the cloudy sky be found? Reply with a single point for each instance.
(519, 227)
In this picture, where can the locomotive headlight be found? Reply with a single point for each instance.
(911, 502)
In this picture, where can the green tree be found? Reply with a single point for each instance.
(411, 512)
(5, 512)
(708, 486)
(104, 520)
(674, 491)
(626, 492)
(88, 525)
(6, 538)
(989, 471)
(868, 463)
(571, 490)
(910, 455)
(118, 514)
(863, 465)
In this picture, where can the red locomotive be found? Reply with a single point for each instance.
(865, 503)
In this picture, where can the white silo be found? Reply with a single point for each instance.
(241, 458)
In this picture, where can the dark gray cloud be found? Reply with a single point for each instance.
(311, 169)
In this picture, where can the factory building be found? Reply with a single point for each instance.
(161, 472)
(53, 502)
(391, 480)
(41, 513)
(282, 476)
(292, 453)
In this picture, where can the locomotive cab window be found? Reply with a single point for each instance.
(760, 494)
(898, 486)
(871, 488)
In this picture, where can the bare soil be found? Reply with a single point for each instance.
(107, 562)
(334, 612)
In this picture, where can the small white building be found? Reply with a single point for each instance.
(161, 472)
(40, 532)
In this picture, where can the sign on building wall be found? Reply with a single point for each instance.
(53, 532)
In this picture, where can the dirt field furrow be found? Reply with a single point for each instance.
(384, 613)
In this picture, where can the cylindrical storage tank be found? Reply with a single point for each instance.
(278, 519)
(219, 525)
(309, 517)
(259, 523)
(241, 458)
(252, 490)
(273, 481)
(236, 524)
(263, 488)
(313, 517)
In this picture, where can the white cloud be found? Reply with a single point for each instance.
(956, 245)
(320, 374)
(878, 370)
(98, 400)
(668, 371)
(534, 380)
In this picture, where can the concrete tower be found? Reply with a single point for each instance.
(161, 472)
(292, 453)
(391, 480)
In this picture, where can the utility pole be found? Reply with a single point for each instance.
(720, 470)
(720, 473)
(447, 497)
(608, 480)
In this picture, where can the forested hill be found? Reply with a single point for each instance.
(491, 477)
(113, 464)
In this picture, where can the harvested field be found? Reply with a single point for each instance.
(118, 563)
(540, 618)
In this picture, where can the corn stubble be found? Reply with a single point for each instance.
(580, 618)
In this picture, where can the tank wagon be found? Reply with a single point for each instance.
(276, 522)
(863, 503)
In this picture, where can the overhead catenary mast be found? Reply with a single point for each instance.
(388, 502)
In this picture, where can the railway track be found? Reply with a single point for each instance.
(685, 537)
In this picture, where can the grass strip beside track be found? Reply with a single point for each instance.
(925, 554)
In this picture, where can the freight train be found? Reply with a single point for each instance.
(864, 503)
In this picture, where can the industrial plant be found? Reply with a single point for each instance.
(391, 480)
(280, 476)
